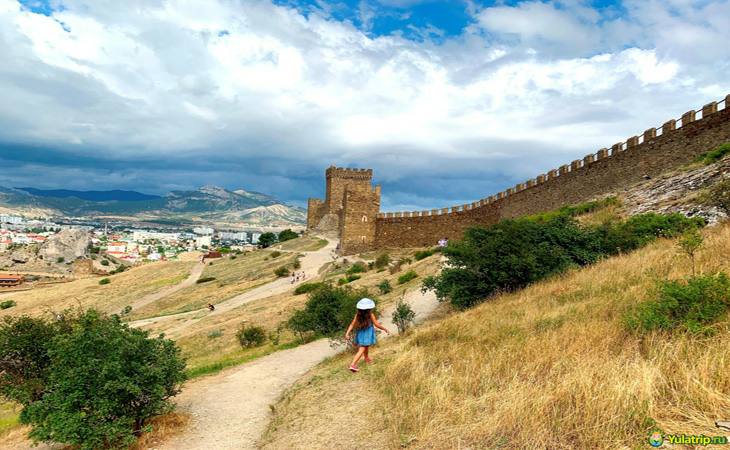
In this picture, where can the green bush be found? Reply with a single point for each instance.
(281, 272)
(287, 235)
(342, 281)
(267, 239)
(406, 277)
(403, 315)
(215, 334)
(7, 304)
(328, 311)
(104, 281)
(358, 267)
(720, 196)
(382, 261)
(691, 305)
(127, 310)
(251, 336)
(423, 254)
(60, 259)
(87, 380)
(205, 280)
(296, 265)
(104, 262)
(306, 288)
(275, 254)
(514, 253)
(714, 155)
(385, 287)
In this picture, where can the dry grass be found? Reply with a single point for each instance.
(329, 395)
(123, 290)
(548, 367)
(551, 366)
(232, 277)
(163, 428)
(302, 244)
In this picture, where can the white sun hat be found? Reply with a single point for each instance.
(365, 303)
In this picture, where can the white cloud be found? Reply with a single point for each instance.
(245, 81)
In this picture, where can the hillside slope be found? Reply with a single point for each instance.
(550, 366)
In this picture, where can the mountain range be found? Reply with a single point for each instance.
(211, 204)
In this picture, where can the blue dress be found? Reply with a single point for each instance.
(365, 337)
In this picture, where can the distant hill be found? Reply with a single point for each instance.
(94, 196)
(206, 204)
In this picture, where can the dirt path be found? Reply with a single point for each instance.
(162, 293)
(231, 410)
(311, 262)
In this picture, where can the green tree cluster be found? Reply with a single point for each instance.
(514, 253)
(87, 379)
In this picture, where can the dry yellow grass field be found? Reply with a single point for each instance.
(232, 277)
(547, 367)
(124, 289)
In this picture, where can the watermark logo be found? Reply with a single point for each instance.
(656, 439)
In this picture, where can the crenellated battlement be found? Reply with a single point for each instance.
(349, 173)
(632, 144)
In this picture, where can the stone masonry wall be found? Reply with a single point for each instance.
(358, 220)
(655, 151)
(315, 212)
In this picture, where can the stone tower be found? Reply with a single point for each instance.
(350, 208)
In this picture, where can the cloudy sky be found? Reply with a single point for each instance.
(448, 101)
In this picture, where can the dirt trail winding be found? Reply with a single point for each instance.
(311, 263)
(231, 410)
(194, 276)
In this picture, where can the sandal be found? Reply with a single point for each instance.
(354, 369)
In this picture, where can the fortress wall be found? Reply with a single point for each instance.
(340, 179)
(315, 211)
(655, 151)
(357, 222)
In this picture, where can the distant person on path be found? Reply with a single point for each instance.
(443, 242)
(211, 307)
(364, 324)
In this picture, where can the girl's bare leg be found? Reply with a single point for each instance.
(367, 357)
(358, 355)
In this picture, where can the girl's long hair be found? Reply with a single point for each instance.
(363, 319)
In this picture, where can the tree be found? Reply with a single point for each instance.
(690, 242)
(287, 235)
(267, 239)
(87, 379)
(403, 315)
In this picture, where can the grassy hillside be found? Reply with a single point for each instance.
(549, 366)
(123, 290)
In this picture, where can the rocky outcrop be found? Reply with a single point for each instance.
(679, 191)
(68, 244)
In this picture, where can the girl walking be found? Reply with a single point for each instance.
(364, 324)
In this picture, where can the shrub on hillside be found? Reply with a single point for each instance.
(382, 261)
(348, 279)
(281, 272)
(423, 254)
(87, 380)
(275, 254)
(328, 311)
(406, 277)
(384, 287)
(104, 262)
(7, 304)
(714, 155)
(104, 281)
(403, 315)
(720, 196)
(691, 305)
(205, 280)
(251, 336)
(287, 235)
(307, 288)
(514, 253)
(296, 265)
(358, 267)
